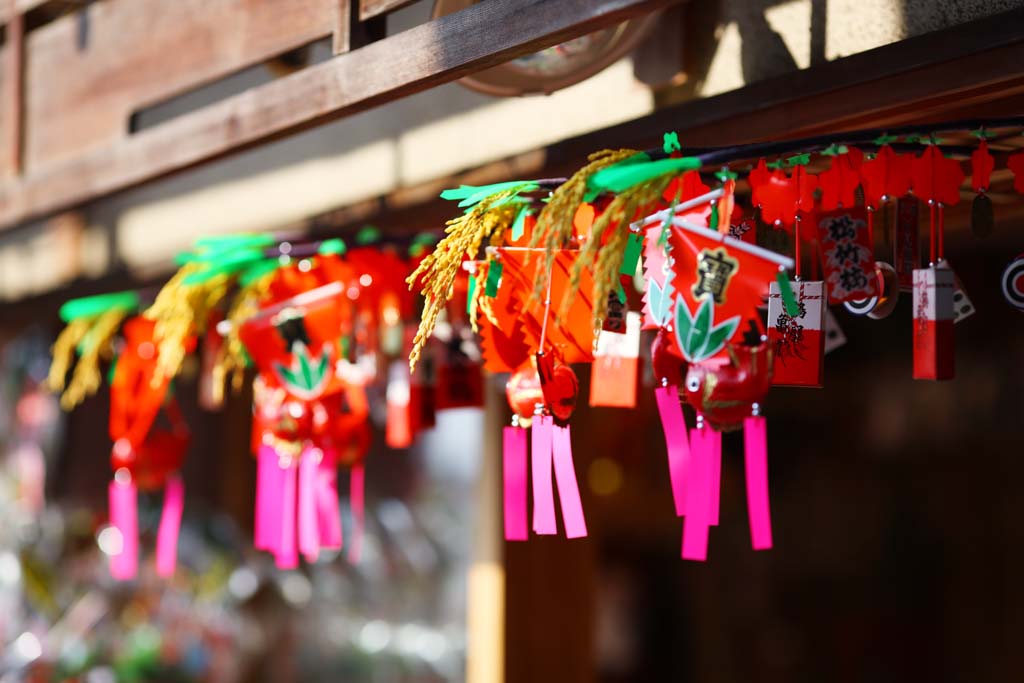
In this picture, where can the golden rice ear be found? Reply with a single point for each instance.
(97, 343)
(231, 359)
(604, 260)
(63, 351)
(555, 222)
(179, 310)
(464, 236)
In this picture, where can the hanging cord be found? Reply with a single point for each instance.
(871, 230)
(796, 248)
(547, 314)
(942, 233)
(931, 234)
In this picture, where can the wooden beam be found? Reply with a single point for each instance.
(375, 8)
(18, 8)
(437, 52)
(12, 91)
(892, 84)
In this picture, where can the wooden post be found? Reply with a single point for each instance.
(485, 601)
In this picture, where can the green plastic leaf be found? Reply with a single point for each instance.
(593, 190)
(778, 163)
(623, 176)
(367, 235)
(655, 299)
(698, 337)
(713, 220)
(471, 194)
(982, 134)
(620, 291)
(719, 335)
(335, 245)
(493, 278)
(834, 150)
(519, 226)
(92, 306)
(799, 160)
(725, 174)
(885, 139)
(786, 290)
(228, 264)
(670, 142)
(631, 257)
(257, 270)
(684, 325)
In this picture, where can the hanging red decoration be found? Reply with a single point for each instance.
(886, 176)
(781, 197)
(839, 183)
(1015, 162)
(936, 178)
(982, 165)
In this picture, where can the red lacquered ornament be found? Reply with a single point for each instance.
(725, 393)
(523, 391)
(559, 385)
(668, 367)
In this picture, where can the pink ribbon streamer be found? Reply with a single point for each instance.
(514, 471)
(286, 552)
(357, 493)
(698, 502)
(543, 494)
(122, 497)
(170, 525)
(676, 443)
(568, 489)
(755, 441)
(269, 483)
(328, 510)
(309, 535)
(713, 444)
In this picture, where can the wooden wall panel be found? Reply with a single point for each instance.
(135, 53)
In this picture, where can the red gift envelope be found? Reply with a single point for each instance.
(616, 363)
(798, 342)
(933, 323)
(846, 255)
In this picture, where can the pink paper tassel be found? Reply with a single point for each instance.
(170, 524)
(568, 489)
(543, 493)
(328, 510)
(309, 535)
(357, 495)
(287, 553)
(676, 443)
(269, 483)
(698, 502)
(755, 441)
(124, 517)
(714, 456)
(514, 465)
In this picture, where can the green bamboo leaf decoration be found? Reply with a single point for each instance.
(304, 378)
(699, 339)
(719, 335)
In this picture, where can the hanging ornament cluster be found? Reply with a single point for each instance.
(675, 221)
(321, 327)
(541, 271)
